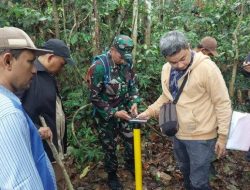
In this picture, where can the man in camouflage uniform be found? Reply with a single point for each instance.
(115, 100)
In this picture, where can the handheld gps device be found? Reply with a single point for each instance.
(136, 120)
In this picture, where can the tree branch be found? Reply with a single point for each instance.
(57, 158)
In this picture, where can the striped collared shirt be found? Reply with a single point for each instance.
(17, 167)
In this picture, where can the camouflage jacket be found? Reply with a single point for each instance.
(118, 94)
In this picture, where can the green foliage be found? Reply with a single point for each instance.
(88, 150)
(217, 18)
(84, 144)
(24, 17)
(151, 63)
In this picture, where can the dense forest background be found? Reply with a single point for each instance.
(89, 26)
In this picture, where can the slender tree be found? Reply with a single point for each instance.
(236, 58)
(148, 22)
(74, 25)
(56, 19)
(96, 31)
(161, 4)
(134, 27)
(120, 18)
(64, 22)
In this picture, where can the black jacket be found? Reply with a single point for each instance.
(40, 99)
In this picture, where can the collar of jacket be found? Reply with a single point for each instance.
(39, 66)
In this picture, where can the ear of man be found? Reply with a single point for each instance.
(8, 60)
(50, 56)
(203, 50)
(45, 59)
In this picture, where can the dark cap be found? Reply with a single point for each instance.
(15, 38)
(124, 44)
(59, 48)
(210, 44)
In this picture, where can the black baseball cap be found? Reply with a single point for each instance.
(59, 48)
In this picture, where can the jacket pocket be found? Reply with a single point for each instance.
(187, 121)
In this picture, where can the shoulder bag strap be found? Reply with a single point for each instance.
(180, 90)
(184, 81)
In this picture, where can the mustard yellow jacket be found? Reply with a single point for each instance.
(204, 107)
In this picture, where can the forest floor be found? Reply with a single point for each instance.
(160, 171)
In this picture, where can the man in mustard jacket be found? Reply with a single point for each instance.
(203, 110)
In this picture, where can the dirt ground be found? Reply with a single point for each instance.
(160, 171)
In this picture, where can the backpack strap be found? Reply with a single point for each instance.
(104, 60)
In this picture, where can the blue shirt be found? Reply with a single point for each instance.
(18, 169)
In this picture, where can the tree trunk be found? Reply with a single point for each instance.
(134, 27)
(96, 31)
(110, 24)
(64, 23)
(120, 19)
(73, 27)
(118, 24)
(161, 10)
(236, 48)
(56, 19)
(41, 32)
(148, 22)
